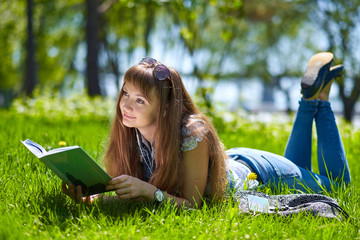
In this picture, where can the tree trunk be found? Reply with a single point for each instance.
(349, 101)
(348, 109)
(149, 24)
(30, 71)
(92, 68)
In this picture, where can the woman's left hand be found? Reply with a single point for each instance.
(126, 187)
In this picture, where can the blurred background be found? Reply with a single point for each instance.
(241, 54)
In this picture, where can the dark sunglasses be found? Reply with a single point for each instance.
(160, 70)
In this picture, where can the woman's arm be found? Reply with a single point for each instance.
(193, 182)
(195, 172)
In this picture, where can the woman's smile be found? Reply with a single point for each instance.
(127, 116)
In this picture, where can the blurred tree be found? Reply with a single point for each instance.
(207, 36)
(31, 68)
(125, 27)
(240, 40)
(274, 33)
(340, 20)
(92, 30)
(191, 19)
(59, 30)
(12, 29)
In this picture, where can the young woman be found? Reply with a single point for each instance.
(161, 147)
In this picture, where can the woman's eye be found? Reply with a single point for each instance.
(140, 101)
(126, 94)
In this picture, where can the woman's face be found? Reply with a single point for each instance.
(139, 112)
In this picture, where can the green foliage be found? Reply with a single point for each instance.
(33, 206)
(57, 27)
(75, 107)
(12, 28)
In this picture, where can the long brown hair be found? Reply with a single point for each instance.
(122, 156)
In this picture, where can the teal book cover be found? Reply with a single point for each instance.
(72, 165)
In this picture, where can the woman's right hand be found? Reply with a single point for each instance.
(75, 193)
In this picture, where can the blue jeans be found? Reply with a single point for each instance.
(295, 167)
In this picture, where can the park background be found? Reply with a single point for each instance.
(254, 51)
(62, 64)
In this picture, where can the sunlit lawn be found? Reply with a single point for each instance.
(32, 205)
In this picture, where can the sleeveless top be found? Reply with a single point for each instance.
(192, 133)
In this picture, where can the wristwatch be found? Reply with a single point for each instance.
(159, 195)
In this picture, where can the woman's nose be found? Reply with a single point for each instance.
(126, 105)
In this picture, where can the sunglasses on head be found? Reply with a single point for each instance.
(160, 70)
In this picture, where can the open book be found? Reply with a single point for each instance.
(72, 165)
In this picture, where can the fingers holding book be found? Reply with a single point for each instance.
(75, 193)
(128, 187)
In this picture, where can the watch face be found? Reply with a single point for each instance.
(159, 195)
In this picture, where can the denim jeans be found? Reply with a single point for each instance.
(295, 167)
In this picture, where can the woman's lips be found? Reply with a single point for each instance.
(127, 116)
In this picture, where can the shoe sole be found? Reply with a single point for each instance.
(314, 66)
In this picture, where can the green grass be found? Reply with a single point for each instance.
(32, 205)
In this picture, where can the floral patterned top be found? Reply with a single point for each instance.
(189, 139)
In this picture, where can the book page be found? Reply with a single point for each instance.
(63, 149)
(35, 148)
